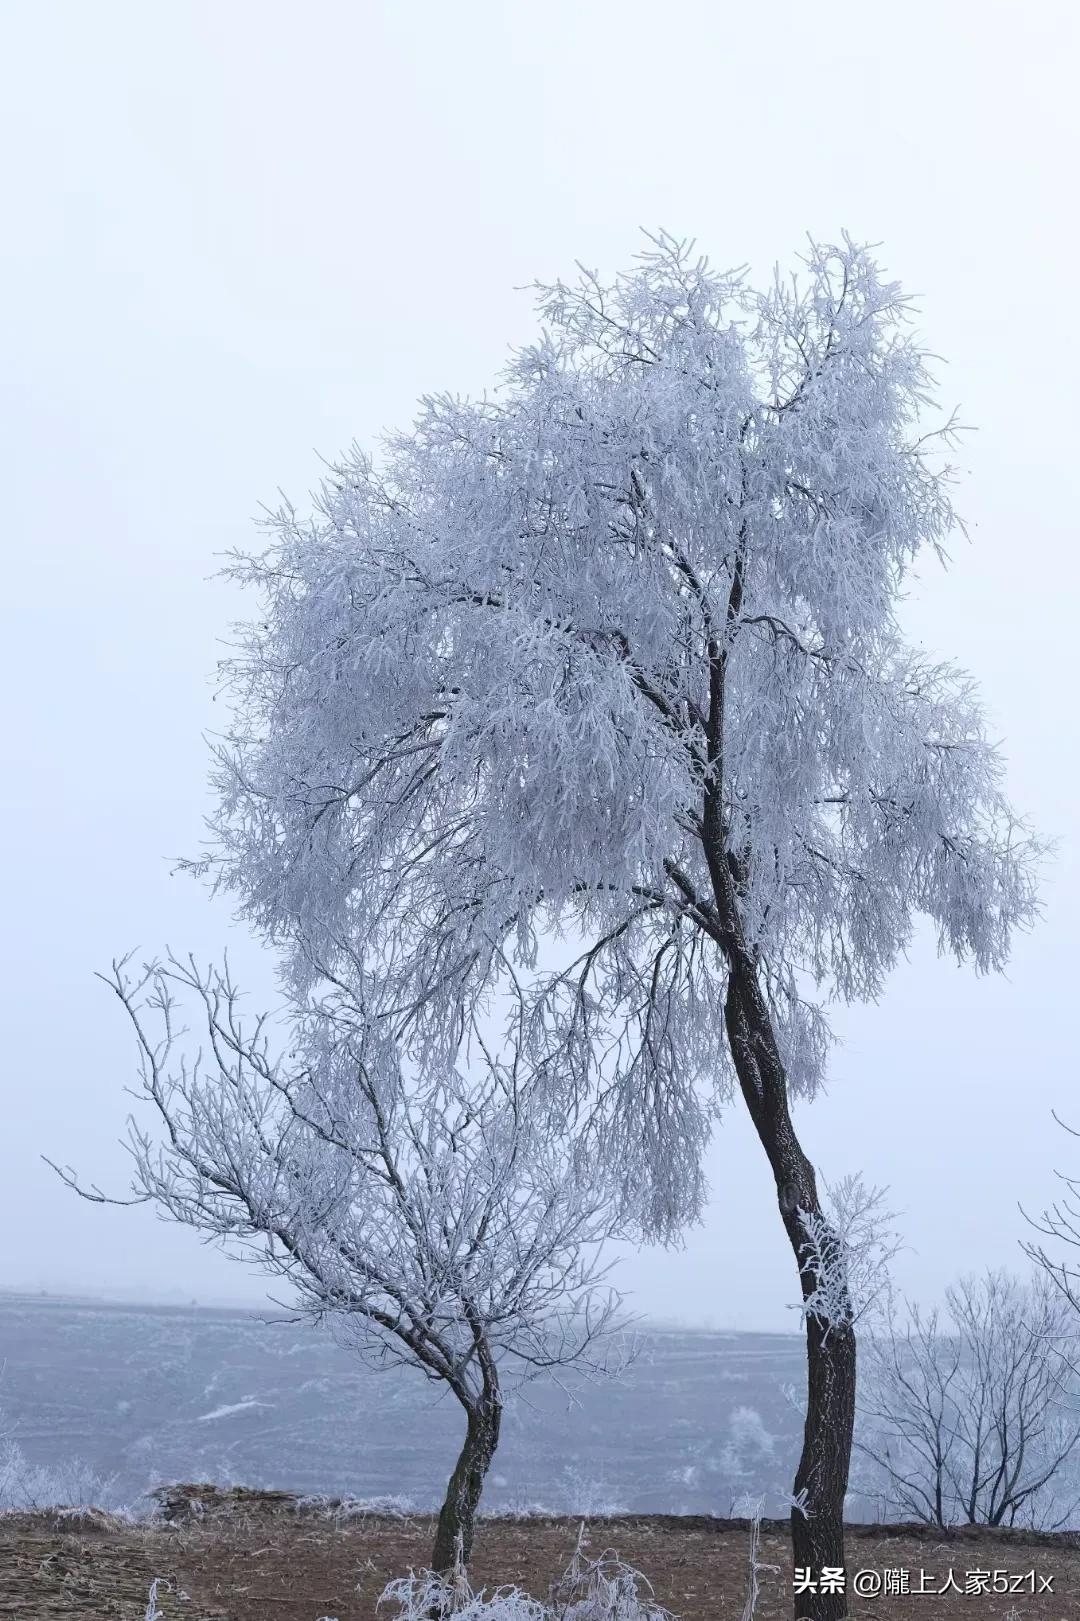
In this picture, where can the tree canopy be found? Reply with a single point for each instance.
(596, 689)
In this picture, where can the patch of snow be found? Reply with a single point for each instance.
(231, 1407)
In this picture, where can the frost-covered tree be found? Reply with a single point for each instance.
(599, 682)
(968, 1416)
(419, 1214)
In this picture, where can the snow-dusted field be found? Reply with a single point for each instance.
(155, 1393)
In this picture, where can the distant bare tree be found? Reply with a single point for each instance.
(423, 1215)
(1061, 1222)
(965, 1415)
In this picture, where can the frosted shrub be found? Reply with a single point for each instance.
(749, 1443)
(603, 1589)
(587, 1492)
(427, 1597)
(27, 1488)
(340, 1510)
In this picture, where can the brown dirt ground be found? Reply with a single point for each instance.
(248, 1556)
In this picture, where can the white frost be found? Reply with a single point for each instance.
(232, 1407)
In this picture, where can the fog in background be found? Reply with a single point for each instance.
(238, 236)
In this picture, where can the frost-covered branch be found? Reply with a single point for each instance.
(847, 1250)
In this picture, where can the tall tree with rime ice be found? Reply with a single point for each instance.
(598, 683)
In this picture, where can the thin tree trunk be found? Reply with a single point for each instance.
(817, 1530)
(457, 1518)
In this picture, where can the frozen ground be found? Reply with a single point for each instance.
(157, 1393)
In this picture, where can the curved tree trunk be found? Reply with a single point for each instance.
(457, 1518)
(817, 1530)
(817, 1525)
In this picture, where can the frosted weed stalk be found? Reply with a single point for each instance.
(754, 1510)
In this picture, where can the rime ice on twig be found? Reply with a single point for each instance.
(847, 1250)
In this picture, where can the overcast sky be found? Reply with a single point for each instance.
(239, 234)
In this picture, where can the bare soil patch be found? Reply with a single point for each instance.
(255, 1556)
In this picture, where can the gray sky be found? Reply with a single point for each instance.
(239, 234)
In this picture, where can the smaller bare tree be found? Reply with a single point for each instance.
(426, 1216)
(965, 1415)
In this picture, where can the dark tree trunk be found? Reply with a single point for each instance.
(457, 1518)
(817, 1539)
(817, 1535)
(817, 1526)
